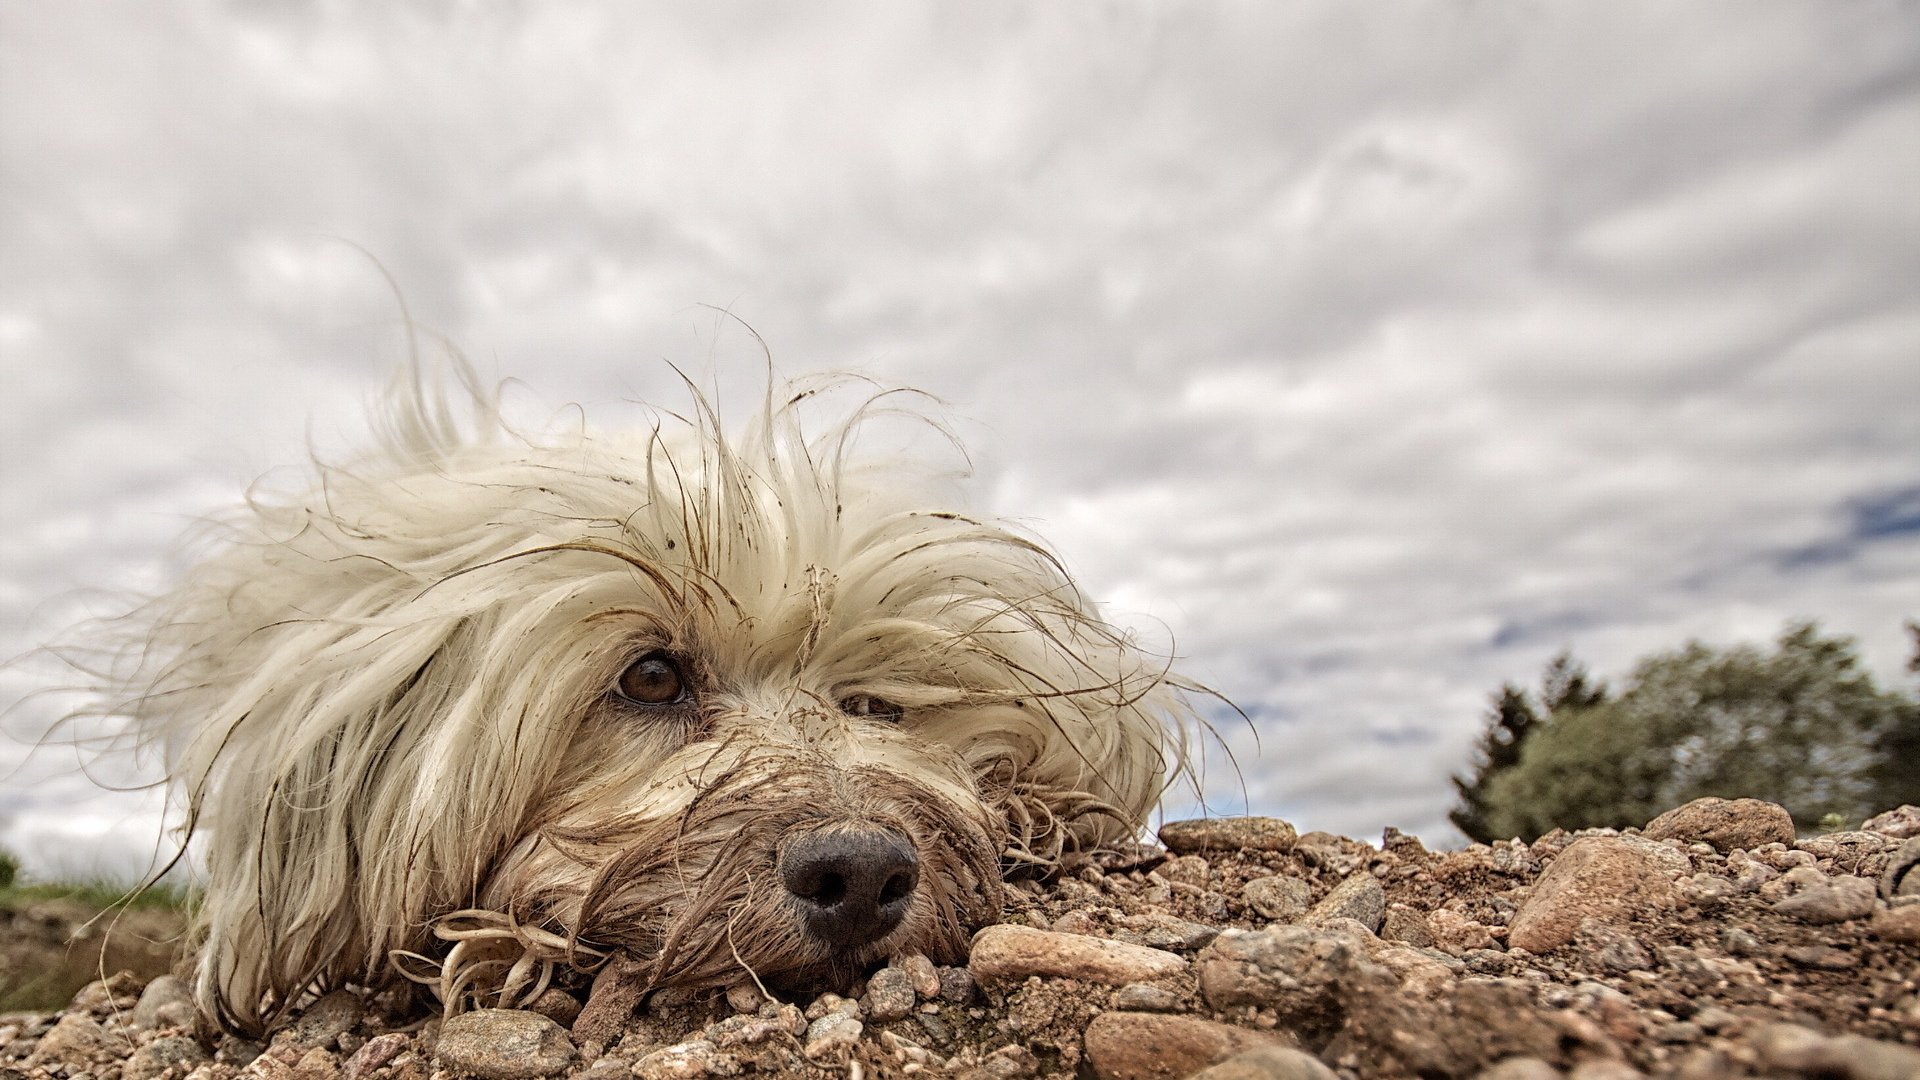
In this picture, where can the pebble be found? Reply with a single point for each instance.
(1900, 823)
(1009, 953)
(1403, 924)
(76, 1035)
(1901, 924)
(1154, 1046)
(1268, 1063)
(1831, 901)
(1359, 898)
(1605, 1069)
(1203, 834)
(1797, 1049)
(832, 1037)
(556, 1005)
(1186, 869)
(1725, 823)
(1612, 949)
(1281, 898)
(166, 1002)
(1305, 975)
(317, 1063)
(375, 1054)
(325, 1020)
(162, 1054)
(890, 995)
(503, 1044)
(922, 974)
(688, 1060)
(1609, 879)
(1457, 933)
(957, 985)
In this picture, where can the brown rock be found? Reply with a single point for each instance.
(1610, 879)
(76, 1035)
(159, 1055)
(323, 1021)
(1402, 923)
(1900, 924)
(1792, 1048)
(1306, 975)
(1204, 834)
(503, 1044)
(1276, 897)
(1155, 1046)
(1359, 898)
(1900, 823)
(166, 1002)
(1831, 901)
(1520, 1068)
(1009, 953)
(1725, 823)
(375, 1055)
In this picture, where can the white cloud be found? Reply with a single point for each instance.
(1374, 355)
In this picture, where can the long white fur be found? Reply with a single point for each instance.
(380, 688)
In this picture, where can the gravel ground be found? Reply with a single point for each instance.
(1712, 943)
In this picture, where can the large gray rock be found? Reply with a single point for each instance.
(1359, 898)
(503, 1044)
(1833, 900)
(160, 1055)
(1306, 975)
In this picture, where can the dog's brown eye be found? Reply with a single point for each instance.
(871, 707)
(654, 679)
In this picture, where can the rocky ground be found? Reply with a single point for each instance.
(1713, 943)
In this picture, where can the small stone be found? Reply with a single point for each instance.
(1359, 898)
(1822, 957)
(161, 1054)
(689, 1060)
(166, 1002)
(889, 996)
(1713, 1020)
(503, 1044)
(745, 997)
(1305, 975)
(77, 1035)
(375, 1054)
(1725, 823)
(1153, 1046)
(1520, 1068)
(323, 1021)
(113, 993)
(1612, 950)
(1146, 997)
(1277, 897)
(1405, 925)
(922, 974)
(1187, 869)
(832, 1037)
(1900, 823)
(1834, 900)
(1740, 941)
(1605, 878)
(1901, 924)
(1456, 933)
(236, 1051)
(556, 1005)
(318, 1063)
(1009, 953)
(1792, 1048)
(1208, 834)
(1268, 1063)
(957, 985)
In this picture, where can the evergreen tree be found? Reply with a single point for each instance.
(1510, 719)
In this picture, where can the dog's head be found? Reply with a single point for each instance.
(726, 705)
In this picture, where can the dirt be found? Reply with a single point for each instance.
(1714, 981)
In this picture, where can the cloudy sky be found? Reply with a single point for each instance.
(1372, 352)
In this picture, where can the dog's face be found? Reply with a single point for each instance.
(723, 706)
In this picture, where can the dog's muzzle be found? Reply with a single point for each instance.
(851, 886)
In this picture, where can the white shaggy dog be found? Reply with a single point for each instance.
(487, 709)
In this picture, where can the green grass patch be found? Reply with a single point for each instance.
(97, 894)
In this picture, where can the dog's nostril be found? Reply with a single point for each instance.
(851, 886)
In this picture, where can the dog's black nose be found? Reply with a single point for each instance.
(852, 885)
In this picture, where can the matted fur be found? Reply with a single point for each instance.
(387, 700)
